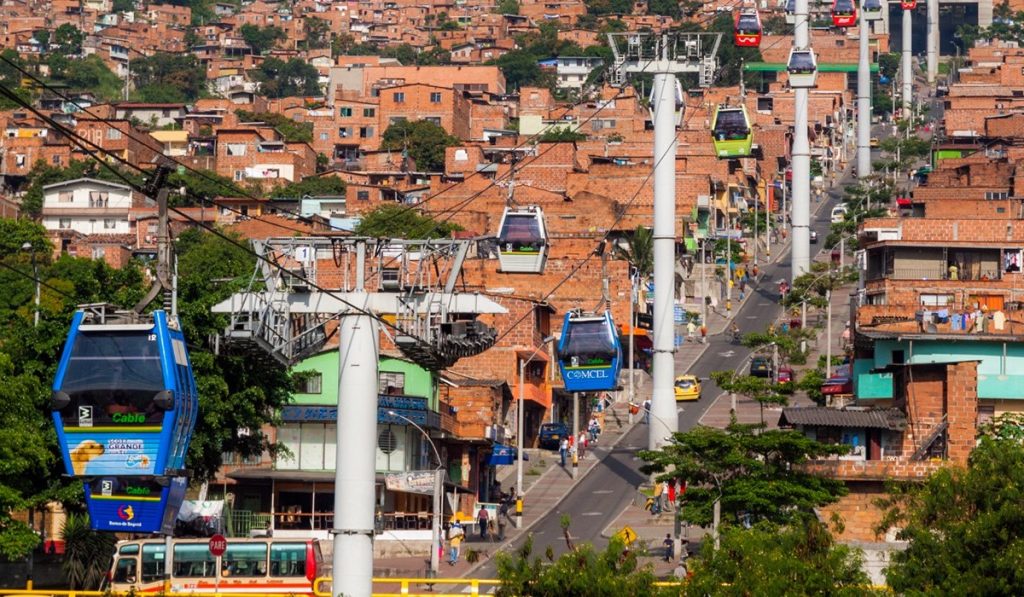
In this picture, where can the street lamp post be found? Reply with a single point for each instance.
(520, 424)
(435, 533)
(35, 275)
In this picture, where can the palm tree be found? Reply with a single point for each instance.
(87, 553)
(639, 252)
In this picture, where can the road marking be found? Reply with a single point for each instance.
(764, 304)
(753, 317)
(602, 491)
(592, 514)
(726, 354)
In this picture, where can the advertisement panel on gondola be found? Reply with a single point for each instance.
(135, 504)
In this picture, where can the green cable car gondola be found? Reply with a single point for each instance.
(731, 132)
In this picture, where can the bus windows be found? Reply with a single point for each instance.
(288, 559)
(126, 569)
(193, 560)
(152, 562)
(245, 559)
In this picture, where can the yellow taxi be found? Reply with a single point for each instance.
(687, 387)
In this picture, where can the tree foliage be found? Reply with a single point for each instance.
(965, 526)
(561, 134)
(755, 473)
(392, 220)
(424, 141)
(639, 251)
(278, 78)
(86, 74)
(261, 39)
(800, 559)
(68, 39)
(318, 33)
(87, 553)
(291, 130)
(201, 187)
(581, 572)
(168, 78)
(314, 186)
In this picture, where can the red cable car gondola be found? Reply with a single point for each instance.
(844, 13)
(908, 4)
(747, 29)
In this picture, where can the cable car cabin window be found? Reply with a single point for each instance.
(873, 5)
(791, 6)
(152, 563)
(116, 373)
(245, 560)
(194, 560)
(748, 24)
(843, 7)
(521, 233)
(731, 125)
(801, 63)
(288, 559)
(589, 343)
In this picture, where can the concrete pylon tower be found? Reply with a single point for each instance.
(933, 40)
(665, 56)
(907, 68)
(864, 100)
(801, 205)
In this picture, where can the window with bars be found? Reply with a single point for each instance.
(391, 384)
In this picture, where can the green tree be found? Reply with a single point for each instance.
(314, 186)
(507, 7)
(318, 33)
(639, 251)
(668, 8)
(199, 186)
(123, 6)
(169, 78)
(423, 140)
(89, 73)
(582, 571)
(291, 130)
(69, 39)
(392, 220)
(760, 389)
(261, 39)
(800, 559)
(754, 473)
(278, 78)
(87, 553)
(561, 134)
(43, 37)
(520, 69)
(609, 7)
(965, 526)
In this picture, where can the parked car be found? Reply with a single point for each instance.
(551, 435)
(814, 236)
(687, 387)
(786, 375)
(760, 367)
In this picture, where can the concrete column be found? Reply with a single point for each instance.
(933, 40)
(355, 455)
(864, 101)
(801, 248)
(907, 68)
(663, 398)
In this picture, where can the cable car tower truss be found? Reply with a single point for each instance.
(634, 53)
(284, 313)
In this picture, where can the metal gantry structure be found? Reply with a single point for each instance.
(664, 56)
(298, 290)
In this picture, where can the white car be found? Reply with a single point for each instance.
(838, 214)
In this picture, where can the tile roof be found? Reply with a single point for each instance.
(892, 419)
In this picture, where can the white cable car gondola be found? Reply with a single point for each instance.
(872, 10)
(802, 68)
(522, 240)
(791, 12)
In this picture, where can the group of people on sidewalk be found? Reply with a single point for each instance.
(575, 448)
(486, 522)
(664, 496)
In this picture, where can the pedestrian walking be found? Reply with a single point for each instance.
(672, 493)
(563, 450)
(455, 536)
(582, 443)
(656, 505)
(670, 547)
(647, 411)
(503, 518)
(595, 429)
(691, 329)
(703, 334)
(483, 517)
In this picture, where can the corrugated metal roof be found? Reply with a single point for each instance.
(892, 419)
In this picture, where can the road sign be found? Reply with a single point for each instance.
(218, 544)
(627, 534)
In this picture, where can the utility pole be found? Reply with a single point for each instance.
(728, 258)
(864, 101)
(575, 434)
(907, 65)
(933, 40)
(632, 318)
(665, 56)
(800, 250)
(359, 353)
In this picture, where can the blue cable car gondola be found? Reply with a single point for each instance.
(135, 504)
(589, 352)
(124, 399)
